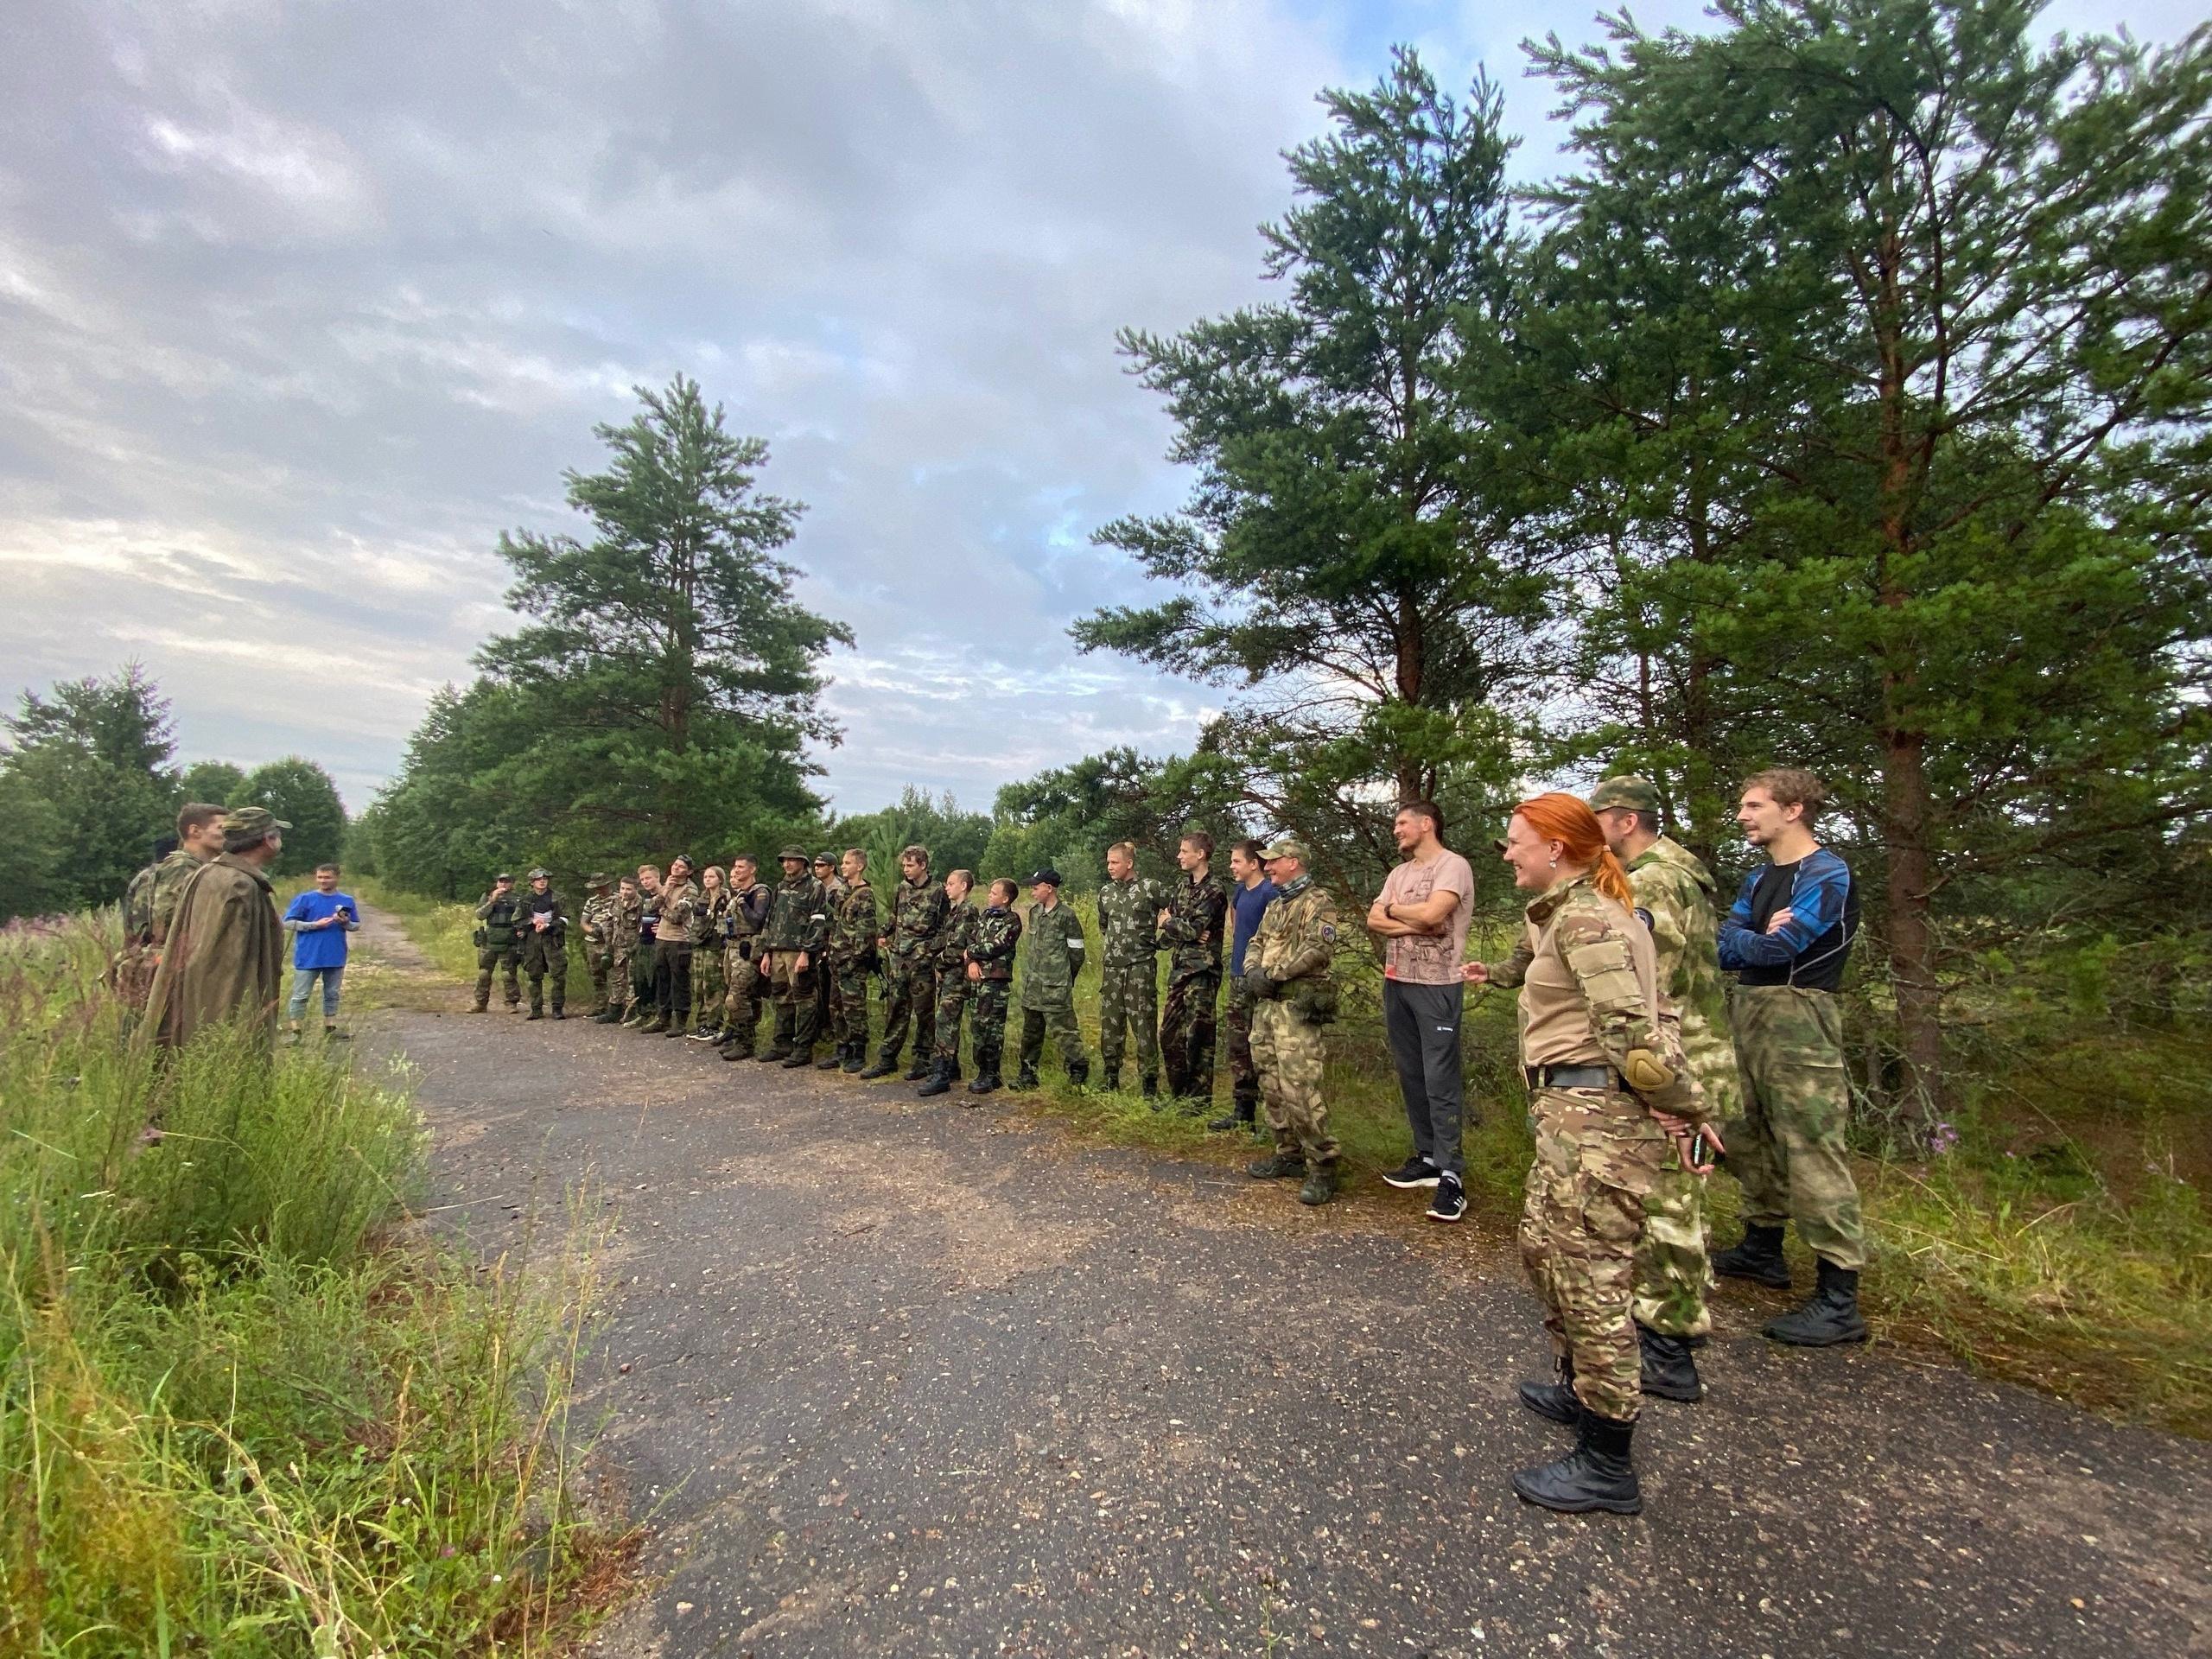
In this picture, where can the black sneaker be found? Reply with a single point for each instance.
(1414, 1172)
(1451, 1200)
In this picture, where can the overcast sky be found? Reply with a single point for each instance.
(300, 304)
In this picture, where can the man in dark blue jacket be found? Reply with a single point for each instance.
(1250, 892)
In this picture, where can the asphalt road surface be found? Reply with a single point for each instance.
(890, 1377)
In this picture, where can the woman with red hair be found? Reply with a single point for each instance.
(1608, 1090)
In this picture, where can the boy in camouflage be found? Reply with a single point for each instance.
(1287, 969)
(1129, 989)
(1674, 896)
(917, 916)
(953, 986)
(1191, 928)
(989, 972)
(854, 927)
(597, 923)
(791, 949)
(749, 897)
(1051, 960)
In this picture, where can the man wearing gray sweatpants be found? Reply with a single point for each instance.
(1422, 919)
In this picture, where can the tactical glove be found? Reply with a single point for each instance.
(1258, 985)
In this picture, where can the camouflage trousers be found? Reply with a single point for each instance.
(544, 958)
(598, 963)
(1598, 1156)
(1673, 1272)
(1060, 1020)
(708, 990)
(1129, 1005)
(955, 990)
(848, 1002)
(743, 994)
(797, 1015)
(1290, 1057)
(620, 965)
(909, 997)
(1187, 1026)
(1787, 1150)
(1244, 1075)
(987, 1024)
(507, 957)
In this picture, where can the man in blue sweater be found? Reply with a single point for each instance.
(319, 919)
(1786, 939)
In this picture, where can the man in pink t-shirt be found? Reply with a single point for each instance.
(1422, 919)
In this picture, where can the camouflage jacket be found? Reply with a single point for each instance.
(1051, 957)
(170, 877)
(918, 914)
(138, 907)
(501, 915)
(799, 918)
(997, 933)
(854, 925)
(1674, 895)
(748, 910)
(1297, 936)
(602, 915)
(1591, 988)
(626, 922)
(1129, 922)
(706, 928)
(679, 902)
(956, 935)
(1192, 931)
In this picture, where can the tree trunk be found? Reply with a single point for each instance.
(1911, 935)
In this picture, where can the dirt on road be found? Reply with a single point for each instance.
(891, 1377)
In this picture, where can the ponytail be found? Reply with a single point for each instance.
(1568, 820)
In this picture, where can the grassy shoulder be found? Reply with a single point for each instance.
(2057, 1241)
(243, 1410)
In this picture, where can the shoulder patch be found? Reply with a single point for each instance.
(1329, 931)
(1644, 915)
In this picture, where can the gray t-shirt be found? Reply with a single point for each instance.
(1428, 958)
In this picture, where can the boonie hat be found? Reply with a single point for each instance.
(1630, 793)
(798, 853)
(599, 879)
(539, 873)
(1051, 876)
(1286, 847)
(249, 823)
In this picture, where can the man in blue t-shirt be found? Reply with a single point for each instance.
(1786, 940)
(1249, 893)
(319, 919)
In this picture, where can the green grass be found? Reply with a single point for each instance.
(242, 1410)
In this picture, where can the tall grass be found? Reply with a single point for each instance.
(238, 1413)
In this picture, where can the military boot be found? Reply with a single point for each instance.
(654, 1026)
(536, 1012)
(775, 1054)
(1109, 1079)
(798, 1058)
(987, 1081)
(636, 1016)
(1024, 1081)
(1758, 1258)
(940, 1083)
(1278, 1166)
(1669, 1366)
(834, 1061)
(1320, 1185)
(558, 1012)
(610, 1016)
(1595, 1475)
(1079, 1074)
(1557, 1401)
(887, 1062)
(738, 1048)
(920, 1069)
(854, 1056)
(480, 1007)
(1828, 1316)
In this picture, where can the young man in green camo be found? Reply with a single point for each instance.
(854, 926)
(598, 922)
(953, 986)
(749, 899)
(991, 972)
(1052, 954)
(1129, 906)
(499, 942)
(829, 995)
(1191, 928)
(1288, 970)
(646, 916)
(544, 945)
(909, 945)
(1675, 898)
(791, 949)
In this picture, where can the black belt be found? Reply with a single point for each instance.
(1573, 1077)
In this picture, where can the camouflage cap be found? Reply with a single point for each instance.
(504, 875)
(1630, 793)
(599, 879)
(1286, 847)
(1049, 875)
(794, 854)
(243, 825)
(539, 873)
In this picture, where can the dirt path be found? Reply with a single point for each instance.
(895, 1377)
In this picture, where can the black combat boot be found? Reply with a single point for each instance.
(1320, 1184)
(1669, 1366)
(1595, 1475)
(1278, 1166)
(737, 1048)
(920, 1069)
(557, 1013)
(1151, 1087)
(855, 1059)
(987, 1083)
(1828, 1316)
(534, 1013)
(1557, 1401)
(798, 1058)
(887, 1062)
(1758, 1259)
(940, 1083)
(834, 1061)
(1024, 1081)
(1079, 1074)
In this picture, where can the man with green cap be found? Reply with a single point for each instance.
(1052, 952)
(1674, 895)
(544, 944)
(1287, 972)
(223, 955)
(499, 942)
(829, 988)
(598, 921)
(792, 946)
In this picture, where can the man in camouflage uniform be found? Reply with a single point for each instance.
(954, 988)
(854, 927)
(828, 993)
(1674, 896)
(917, 916)
(749, 899)
(499, 942)
(1191, 927)
(1051, 957)
(623, 925)
(990, 971)
(138, 896)
(199, 841)
(598, 925)
(644, 1002)
(791, 954)
(1129, 988)
(544, 945)
(1287, 970)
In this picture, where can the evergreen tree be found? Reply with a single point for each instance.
(97, 754)
(217, 782)
(955, 838)
(302, 794)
